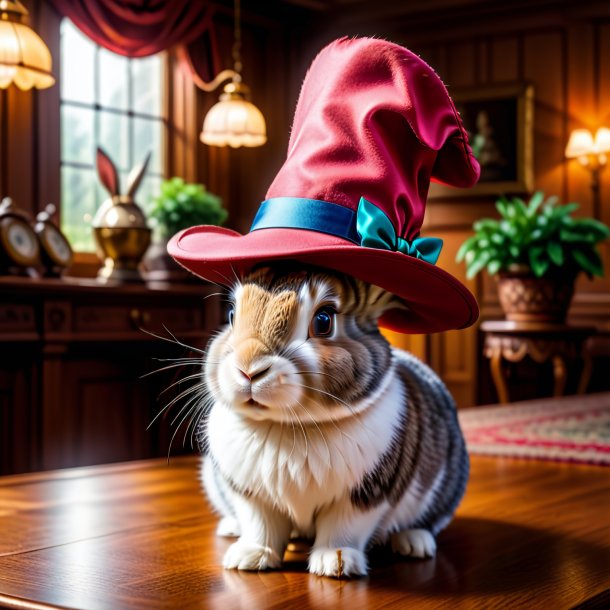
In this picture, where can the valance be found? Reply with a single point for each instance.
(138, 28)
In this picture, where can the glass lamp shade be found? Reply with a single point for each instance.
(602, 140)
(24, 58)
(580, 144)
(234, 121)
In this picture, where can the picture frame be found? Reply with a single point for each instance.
(499, 120)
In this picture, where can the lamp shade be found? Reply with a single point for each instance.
(580, 144)
(234, 121)
(24, 58)
(602, 140)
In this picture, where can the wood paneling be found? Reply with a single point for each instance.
(563, 50)
(72, 359)
(504, 62)
(18, 417)
(102, 413)
(549, 112)
(462, 63)
(242, 176)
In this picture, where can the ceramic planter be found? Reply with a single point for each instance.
(527, 298)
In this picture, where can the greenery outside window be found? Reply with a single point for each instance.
(114, 102)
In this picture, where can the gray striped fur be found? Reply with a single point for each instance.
(427, 436)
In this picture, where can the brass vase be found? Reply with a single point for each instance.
(122, 238)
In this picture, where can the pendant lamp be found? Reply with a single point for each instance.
(24, 57)
(234, 120)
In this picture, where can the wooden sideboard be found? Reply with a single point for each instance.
(72, 356)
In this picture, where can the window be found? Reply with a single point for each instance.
(114, 102)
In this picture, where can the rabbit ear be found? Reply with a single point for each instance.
(136, 175)
(107, 172)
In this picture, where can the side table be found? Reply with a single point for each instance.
(560, 344)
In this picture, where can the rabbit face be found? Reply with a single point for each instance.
(300, 346)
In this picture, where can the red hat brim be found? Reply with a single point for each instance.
(436, 300)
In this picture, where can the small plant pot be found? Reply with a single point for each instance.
(159, 266)
(527, 298)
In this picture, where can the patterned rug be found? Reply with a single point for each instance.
(570, 429)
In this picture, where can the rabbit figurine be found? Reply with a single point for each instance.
(119, 226)
(317, 428)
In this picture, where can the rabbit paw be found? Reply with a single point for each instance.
(414, 543)
(250, 556)
(337, 562)
(228, 526)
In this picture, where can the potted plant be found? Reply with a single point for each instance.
(178, 206)
(537, 249)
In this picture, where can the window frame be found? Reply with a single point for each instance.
(185, 106)
(84, 260)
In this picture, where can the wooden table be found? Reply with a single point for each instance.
(140, 535)
(561, 344)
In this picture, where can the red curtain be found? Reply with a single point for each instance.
(137, 28)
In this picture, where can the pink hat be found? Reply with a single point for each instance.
(373, 125)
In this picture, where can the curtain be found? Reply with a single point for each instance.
(137, 28)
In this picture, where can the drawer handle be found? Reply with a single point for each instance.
(139, 318)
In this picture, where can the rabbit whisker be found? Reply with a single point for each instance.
(339, 400)
(172, 340)
(319, 430)
(215, 294)
(333, 421)
(183, 394)
(195, 419)
(182, 380)
(196, 391)
(237, 279)
(289, 351)
(165, 368)
(296, 416)
(333, 396)
(318, 373)
(204, 410)
(176, 431)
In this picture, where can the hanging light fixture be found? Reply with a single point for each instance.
(24, 57)
(234, 120)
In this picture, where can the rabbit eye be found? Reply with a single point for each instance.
(323, 322)
(231, 315)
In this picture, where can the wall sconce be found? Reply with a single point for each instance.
(24, 57)
(592, 153)
(234, 120)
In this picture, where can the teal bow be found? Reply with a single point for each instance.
(377, 231)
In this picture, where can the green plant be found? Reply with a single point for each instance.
(181, 205)
(540, 234)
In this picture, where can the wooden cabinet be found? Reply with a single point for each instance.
(73, 355)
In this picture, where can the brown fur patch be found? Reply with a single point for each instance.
(263, 322)
(269, 308)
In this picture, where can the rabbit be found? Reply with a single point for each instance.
(316, 427)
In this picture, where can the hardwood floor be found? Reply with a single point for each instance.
(140, 535)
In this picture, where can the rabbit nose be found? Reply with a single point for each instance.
(254, 374)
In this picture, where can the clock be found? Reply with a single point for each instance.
(55, 250)
(19, 248)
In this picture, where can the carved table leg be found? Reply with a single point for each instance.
(498, 374)
(560, 374)
(585, 376)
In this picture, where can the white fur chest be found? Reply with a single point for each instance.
(300, 468)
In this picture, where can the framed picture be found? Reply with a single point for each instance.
(499, 121)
